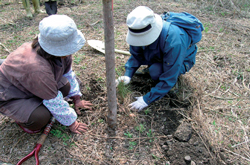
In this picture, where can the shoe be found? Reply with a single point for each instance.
(28, 130)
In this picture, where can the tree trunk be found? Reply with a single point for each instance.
(110, 62)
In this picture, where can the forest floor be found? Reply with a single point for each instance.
(206, 116)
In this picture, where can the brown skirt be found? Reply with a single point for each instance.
(21, 109)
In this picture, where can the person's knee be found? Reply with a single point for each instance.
(39, 118)
(155, 70)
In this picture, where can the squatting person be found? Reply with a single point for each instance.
(36, 78)
(163, 47)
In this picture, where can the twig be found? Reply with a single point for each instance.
(122, 138)
(16, 143)
(205, 50)
(240, 144)
(203, 142)
(221, 98)
(7, 50)
(221, 3)
(236, 154)
(245, 52)
(92, 24)
(158, 148)
(235, 8)
(14, 147)
(245, 85)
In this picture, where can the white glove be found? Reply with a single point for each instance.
(139, 104)
(124, 79)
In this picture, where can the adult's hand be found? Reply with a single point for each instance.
(124, 79)
(139, 104)
(78, 127)
(81, 104)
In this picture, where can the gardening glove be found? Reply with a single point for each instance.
(124, 79)
(78, 128)
(139, 104)
(80, 104)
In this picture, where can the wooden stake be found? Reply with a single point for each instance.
(110, 63)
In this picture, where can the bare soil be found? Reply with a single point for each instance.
(178, 125)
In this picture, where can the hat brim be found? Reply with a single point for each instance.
(59, 50)
(147, 38)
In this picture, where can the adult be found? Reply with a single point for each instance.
(36, 4)
(51, 7)
(36, 78)
(164, 47)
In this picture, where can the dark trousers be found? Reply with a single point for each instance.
(51, 7)
(40, 117)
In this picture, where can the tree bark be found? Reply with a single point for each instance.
(110, 62)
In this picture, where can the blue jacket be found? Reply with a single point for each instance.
(172, 50)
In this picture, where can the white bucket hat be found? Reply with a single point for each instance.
(59, 35)
(144, 27)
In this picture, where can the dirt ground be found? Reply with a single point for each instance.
(205, 116)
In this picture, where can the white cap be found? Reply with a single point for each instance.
(144, 27)
(59, 35)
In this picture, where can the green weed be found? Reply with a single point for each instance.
(83, 67)
(155, 157)
(100, 79)
(123, 90)
(147, 111)
(129, 135)
(78, 74)
(140, 128)
(100, 121)
(77, 59)
(150, 133)
(132, 145)
(206, 27)
(3, 57)
(61, 135)
(214, 123)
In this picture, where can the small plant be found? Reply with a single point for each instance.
(3, 57)
(78, 59)
(88, 88)
(100, 121)
(211, 47)
(150, 133)
(120, 70)
(122, 90)
(221, 30)
(140, 128)
(155, 157)
(223, 87)
(78, 74)
(83, 67)
(131, 145)
(147, 111)
(59, 134)
(206, 27)
(100, 79)
(129, 135)
(214, 123)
